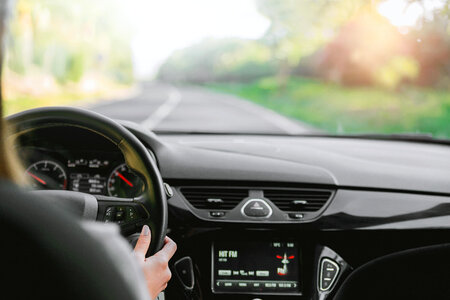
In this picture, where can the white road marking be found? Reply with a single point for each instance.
(276, 119)
(163, 110)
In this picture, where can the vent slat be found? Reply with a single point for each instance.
(198, 197)
(285, 199)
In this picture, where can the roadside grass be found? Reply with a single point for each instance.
(350, 110)
(37, 89)
(23, 102)
(16, 102)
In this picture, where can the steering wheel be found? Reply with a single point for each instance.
(150, 208)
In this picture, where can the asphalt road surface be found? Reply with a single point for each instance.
(164, 107)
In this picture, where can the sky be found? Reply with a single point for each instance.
(165, 26)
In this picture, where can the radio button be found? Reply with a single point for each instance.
(224, 272)
(262, 273)
(270, 284)
(225, 284)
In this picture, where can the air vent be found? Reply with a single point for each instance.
(214, 198)
(303, 200)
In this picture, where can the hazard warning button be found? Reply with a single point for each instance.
(256, 208)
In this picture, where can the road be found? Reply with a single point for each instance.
(164, 107)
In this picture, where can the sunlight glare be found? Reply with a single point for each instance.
(403, 13)
(162, 27)
(400, 13)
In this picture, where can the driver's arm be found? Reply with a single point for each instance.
(156, 267)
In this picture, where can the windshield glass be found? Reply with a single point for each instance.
(237, 66)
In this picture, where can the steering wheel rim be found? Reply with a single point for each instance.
(136, 156)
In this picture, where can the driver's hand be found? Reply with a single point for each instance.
(156, 267)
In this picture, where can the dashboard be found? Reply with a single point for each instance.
(266, 217)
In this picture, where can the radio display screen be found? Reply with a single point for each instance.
(256, 267)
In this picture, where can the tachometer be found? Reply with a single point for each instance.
(47, 174)
(124, 183)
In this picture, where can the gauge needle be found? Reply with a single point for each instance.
(37, 178)
(124, 179)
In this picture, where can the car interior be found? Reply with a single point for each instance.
(254, 215)
(265, 217)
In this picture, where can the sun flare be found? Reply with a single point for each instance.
(403, 13)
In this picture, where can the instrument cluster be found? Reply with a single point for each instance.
(93, 172)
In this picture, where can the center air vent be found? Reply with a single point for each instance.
(214, 198)
(293, 200)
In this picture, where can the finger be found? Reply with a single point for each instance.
(168, 249)
(143, 242)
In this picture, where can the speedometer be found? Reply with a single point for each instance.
(124, 183)
(47, 174)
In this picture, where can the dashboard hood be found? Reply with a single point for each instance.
(345, 162)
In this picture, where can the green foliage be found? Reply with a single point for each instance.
(76, 66)
(219, 60)
(300, 27)
(66, 38)
(345, 41)
(337, 109)
(397, 70)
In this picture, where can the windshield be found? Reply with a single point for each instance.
(237, 66)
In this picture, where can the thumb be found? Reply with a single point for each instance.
(143, 242)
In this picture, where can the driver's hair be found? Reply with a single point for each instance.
(10, 167)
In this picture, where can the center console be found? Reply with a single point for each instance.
(260, 264)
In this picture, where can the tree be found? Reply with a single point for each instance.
(65, 39)
(299, 28)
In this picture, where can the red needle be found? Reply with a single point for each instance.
(37, 178)
(124, 179)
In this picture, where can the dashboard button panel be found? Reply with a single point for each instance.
(329, 271)
(185, 272)
(247, 204)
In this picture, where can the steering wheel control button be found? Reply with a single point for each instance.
(130, 213)
(256, 208)
(110, 214)
(217, 214)
(329, 271)
(121, 214)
